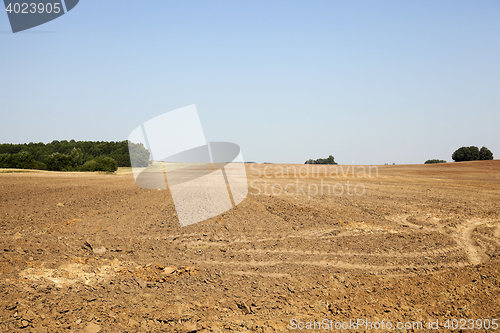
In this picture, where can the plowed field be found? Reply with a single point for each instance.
(405, 244)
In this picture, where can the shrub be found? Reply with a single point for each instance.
(434, 161)
(88, 166)
(100, 164)
(107, 164)
(40, 166)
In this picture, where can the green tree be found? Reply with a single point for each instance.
(5, 160)
(139, 156)
(461, 154)
(473, 153)
(23, 160)
(485, 154)
(330, 160)
(76, 156)
(58, 162)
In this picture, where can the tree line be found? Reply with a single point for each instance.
(69, 155)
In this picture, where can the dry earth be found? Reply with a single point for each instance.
(89, 252)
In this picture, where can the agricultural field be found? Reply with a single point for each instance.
(409, 244)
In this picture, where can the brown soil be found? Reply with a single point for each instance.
(94, 253)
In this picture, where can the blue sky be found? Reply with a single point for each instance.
(369, 82)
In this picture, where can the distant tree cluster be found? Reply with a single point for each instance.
(472, 153)
(69, 155)
(329, 160)
(434, 161)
